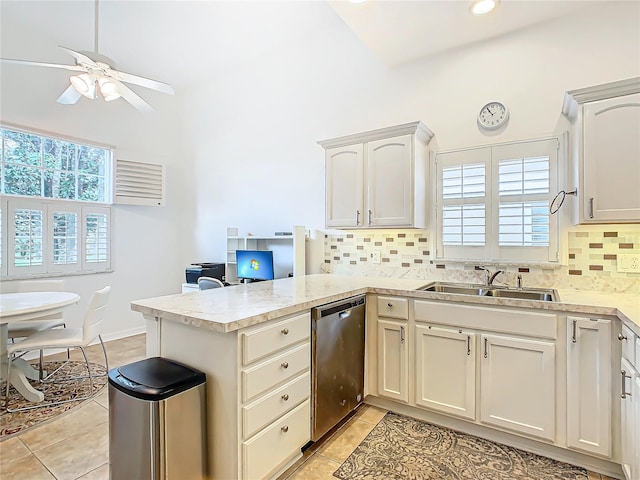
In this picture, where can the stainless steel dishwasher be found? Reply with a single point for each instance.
(337, 362)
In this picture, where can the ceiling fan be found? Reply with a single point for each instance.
(97, 74)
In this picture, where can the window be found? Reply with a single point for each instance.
(493, 202)
(54, 213)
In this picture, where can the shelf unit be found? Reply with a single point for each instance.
(288, 252)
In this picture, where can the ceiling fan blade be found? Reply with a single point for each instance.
(144, 82)
(75, 68)
(133, 98)
(79, 56)
(69, 96)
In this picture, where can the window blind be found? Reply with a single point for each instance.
(96, 238)
(28, 237)
(65, 238)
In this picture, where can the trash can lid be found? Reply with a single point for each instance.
(155, 378)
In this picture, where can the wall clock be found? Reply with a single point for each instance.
(493, 116)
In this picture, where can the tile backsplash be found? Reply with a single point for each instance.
(592, 259)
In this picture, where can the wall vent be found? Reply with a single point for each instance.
(138, 183)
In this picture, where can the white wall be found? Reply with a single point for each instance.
(146, 240)
(252, 133)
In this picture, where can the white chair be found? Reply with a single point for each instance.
(205, 283)
(67, 338)
(24, 329)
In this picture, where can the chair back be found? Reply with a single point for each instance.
(205, 283)
(92, 324)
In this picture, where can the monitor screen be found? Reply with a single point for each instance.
(255, 264)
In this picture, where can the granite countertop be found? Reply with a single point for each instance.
(232, 308)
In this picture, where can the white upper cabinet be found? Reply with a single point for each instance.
(345, 170)
(378, 179)
(607, 151)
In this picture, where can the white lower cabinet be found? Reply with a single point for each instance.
(393, 363)
(275, 388)
(630, 403)
(446, 370)
(589, 385)
(517, 385)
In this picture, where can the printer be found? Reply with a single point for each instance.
(197, 270)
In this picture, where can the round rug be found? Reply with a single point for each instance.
(18, 422)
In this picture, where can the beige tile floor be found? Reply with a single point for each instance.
(76, 445)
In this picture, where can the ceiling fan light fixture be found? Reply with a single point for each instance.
(108, 87)
(482, 7)
(84, 85)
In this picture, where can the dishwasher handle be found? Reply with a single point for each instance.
(340, 306)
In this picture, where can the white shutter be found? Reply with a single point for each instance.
(26, 244)
(64, 238)
(138, 183)
(96, 238)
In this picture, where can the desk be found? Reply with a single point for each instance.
(17, 307)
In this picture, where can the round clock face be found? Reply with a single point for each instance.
(492, 116)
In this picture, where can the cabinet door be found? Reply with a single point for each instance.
(390, 182)
(517, 385)
(589, 385)
(629, 420)
(446, 370)
(612, 159)
(345, 186)
(393, 358)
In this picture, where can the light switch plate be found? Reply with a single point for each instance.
(629, 262)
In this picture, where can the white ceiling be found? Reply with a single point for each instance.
(403, 31)
(186, 42)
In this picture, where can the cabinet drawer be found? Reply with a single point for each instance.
(393, 307)
(628, 344)
(261, 413)
(276, 444)
(488, 319)
(261, 342)
(265, 375)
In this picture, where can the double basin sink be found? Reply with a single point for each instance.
(542, 294)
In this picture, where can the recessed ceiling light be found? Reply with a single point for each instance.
(357, 2)
(481, 7)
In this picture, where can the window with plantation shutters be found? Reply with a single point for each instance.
(493, 202)
(53, 237)
(55, 212)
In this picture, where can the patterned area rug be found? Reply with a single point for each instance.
(14, 423)
(400, 447)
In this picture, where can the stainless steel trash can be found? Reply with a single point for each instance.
(156, 421)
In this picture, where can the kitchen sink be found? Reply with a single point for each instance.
(542, 294)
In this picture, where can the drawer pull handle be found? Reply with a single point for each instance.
(285, 331)
(285, 397)
(624, 393)
(621, 337)
(285, 429)
(284, 364)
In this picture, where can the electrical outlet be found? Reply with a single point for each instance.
(375, 256)
(629, 262)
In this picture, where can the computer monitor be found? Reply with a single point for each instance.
(255, 264)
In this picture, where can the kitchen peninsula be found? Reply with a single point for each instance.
(237, 337)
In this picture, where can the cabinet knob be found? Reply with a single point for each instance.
(284, 364)
(621, 337)
(285, 331)
(285, 397)
(285, 429)
(390, 305)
